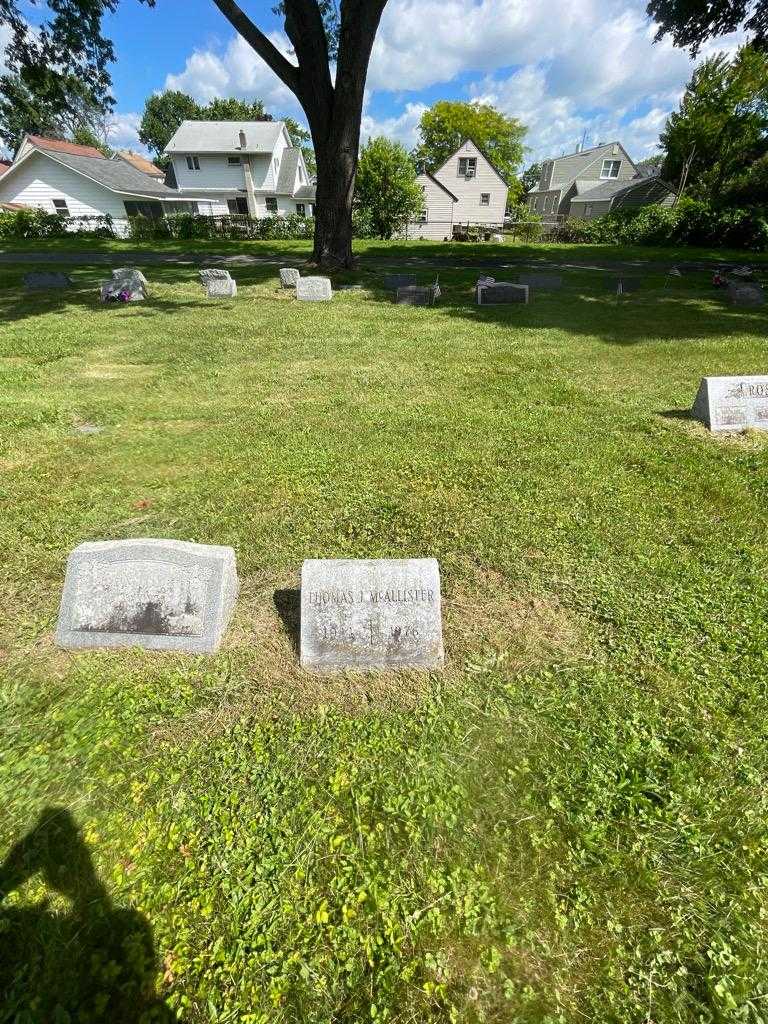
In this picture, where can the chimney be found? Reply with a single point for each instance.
(242, 140)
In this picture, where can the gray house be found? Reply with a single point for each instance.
(595, 181)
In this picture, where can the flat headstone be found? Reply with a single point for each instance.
(214, 274)
(314, 289)
(221, 288)
(394, 281)
(749, 294)
(624, 285)
(289, 277)
(125, 281)
(546, 282)
(43, 280)
(163, 595)
(415, 295)
(732, 403)
(501, 293)
(371, 614)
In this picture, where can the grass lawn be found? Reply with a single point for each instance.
(568, 824)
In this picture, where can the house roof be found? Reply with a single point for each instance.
(140, 163)
(435, 181)
(308, 192)
(224, 137)
(286, 179)
(483, 154)
(4, 165)
(648, 168)
(61, 146)
(611, 189)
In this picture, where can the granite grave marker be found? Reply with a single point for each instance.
(289, 277)
(162, 595)
(732, 403)
(126, 284)
(501, 293)
(44, 280)
(371, 614)
(394, 281)
(749, 294)
(314, 289)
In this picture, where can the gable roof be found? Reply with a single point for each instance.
(433, 179)
(140, 163)
(484, 155)
(224, 137)
(286, 179)
(61, 146)
(611, 189)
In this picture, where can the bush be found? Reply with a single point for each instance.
(29, 223)
(230, 226)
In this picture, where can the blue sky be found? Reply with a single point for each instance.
(568, 69)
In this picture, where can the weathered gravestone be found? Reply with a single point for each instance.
(746, 293)
(394, 281)
(732, 403)
(43, 280)
(218, 284)
(163, 595)
(546, 282)
(126, 285)
(371, 614)
(289, 277)
(501, 293)
(483, 282)
(415, 295)
(314, 289)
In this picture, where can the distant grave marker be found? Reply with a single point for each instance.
(732, 403)
(501, 293)
(126, 285)
(371, 614)
(314, 289)
(218, 284)
(416, 295)
(392, 282)
(45, 280)
(289, 277)
(163, 595)
(748, 294)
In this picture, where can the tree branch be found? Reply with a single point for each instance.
(285, 71)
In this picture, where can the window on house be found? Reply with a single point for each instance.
(423, 216)
(237, 205)
(193, 163)
(467, 166)
(301, 209)
(610, 169)
(485, 198)
(60, 206)
(233, 161)
(271, 204)
(143, 208)
(588, 210)
(548, 204)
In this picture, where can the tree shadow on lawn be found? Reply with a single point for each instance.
(94, 962)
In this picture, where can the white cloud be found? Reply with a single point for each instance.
(403, 128)
(123, 132)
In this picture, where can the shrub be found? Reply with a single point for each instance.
(229, 226)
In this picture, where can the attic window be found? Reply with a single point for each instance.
(485, 198)
(193, 163)
(610, 169)
(60, 206)
(467, 166)
(233, 161)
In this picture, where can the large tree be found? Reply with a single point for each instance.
(721, 126)
(386, 188)
(447, 124)
(693, 22)
(163, 113)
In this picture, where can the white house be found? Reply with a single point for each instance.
(80, 182)
(240, 167)
(466, 190)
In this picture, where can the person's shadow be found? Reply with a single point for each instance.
(89, 962)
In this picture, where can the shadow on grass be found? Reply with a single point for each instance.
(93, 962)
(288, 607)
(676, 414)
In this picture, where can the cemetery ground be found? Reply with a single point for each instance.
(568, 823)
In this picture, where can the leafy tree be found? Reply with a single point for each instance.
(692, 22)
(322, 33)
(722, 124)
(163, 113)
(386, 187)
(85, 136)
(530, 177)
(23, 111)
(232, 110)
(447, 124)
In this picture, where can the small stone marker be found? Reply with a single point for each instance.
(163, 595)
(394, 281)
(43, 280)
(501, 293)
(214, 274)
(289, 277)
(545, 282)
(732, 403)
(371, 614)
(314, 289)
(748, 293)
(218, 284)
(126, 284)
(415, 295)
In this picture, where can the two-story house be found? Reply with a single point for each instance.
(466, 190)
(592, 182)
(248, 167)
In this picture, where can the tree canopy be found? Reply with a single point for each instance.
(693, 22)
(386, 189)
(447, 124)
(530, 177)
(721, 127)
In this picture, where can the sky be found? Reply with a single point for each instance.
(570, 70)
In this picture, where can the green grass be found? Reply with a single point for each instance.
(568, 824)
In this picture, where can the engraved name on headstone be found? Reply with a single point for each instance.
(314, 289)
(732, 403)
(371, 614)
(163, 595)
(289, 276)
(501, 293)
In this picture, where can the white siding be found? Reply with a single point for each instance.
(40, 180)
(216, 206)
(439, 207)
(468, 190)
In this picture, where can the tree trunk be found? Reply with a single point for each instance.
(333, 207)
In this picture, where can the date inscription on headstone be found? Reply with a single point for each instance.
(371, 614)
(732, 403)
